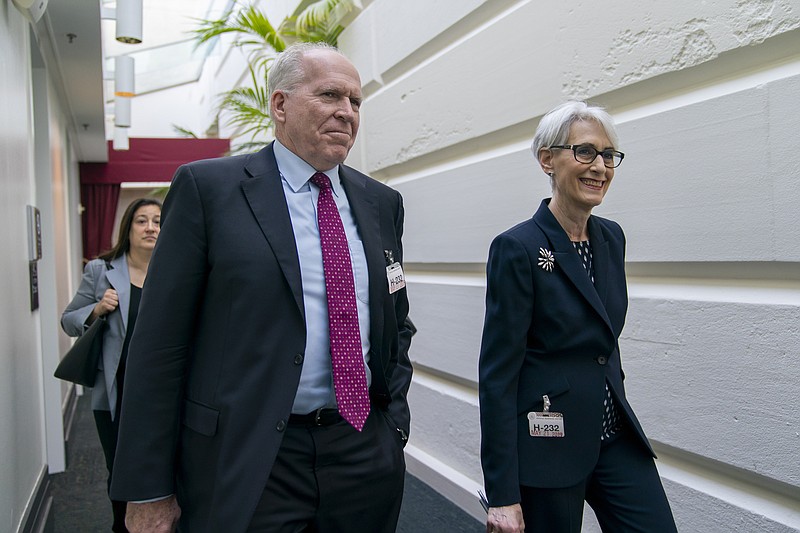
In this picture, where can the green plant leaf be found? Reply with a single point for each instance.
(247, 107)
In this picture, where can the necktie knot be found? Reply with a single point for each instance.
(321, 180)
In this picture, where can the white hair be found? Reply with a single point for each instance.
(554, 127)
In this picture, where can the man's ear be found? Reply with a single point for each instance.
(277, 104)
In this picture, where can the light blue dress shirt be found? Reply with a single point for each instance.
(316, 380)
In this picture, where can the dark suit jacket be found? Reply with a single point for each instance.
(215, 360)
(553, 333)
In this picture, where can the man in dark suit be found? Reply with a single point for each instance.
(238, 413)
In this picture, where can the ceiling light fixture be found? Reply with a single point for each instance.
(122, 112)
(120, 141)
(124, 79)
(129, 21)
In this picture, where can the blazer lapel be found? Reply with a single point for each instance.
(366, 213)
(120, 280)
(600, 259)
(264, 192)
(568, 261)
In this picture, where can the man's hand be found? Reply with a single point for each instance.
(155, 517)
(506, 519)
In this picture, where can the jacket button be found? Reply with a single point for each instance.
(298, 359)
(281, 425)
(602, 360)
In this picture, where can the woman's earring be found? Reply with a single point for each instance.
(550, 174)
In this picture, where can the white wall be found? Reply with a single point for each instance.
(21, 433)
(705, 95)
(38, 168)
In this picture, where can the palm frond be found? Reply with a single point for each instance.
(185, 132)
(207, 29)
(320, 21)
(249, 21)
(248, 107)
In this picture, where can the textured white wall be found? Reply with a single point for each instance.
(705, 95)
(21, 426)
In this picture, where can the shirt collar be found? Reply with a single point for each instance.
(297, 172)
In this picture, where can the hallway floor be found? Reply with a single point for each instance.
(81, 506)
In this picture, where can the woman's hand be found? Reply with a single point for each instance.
(108, 303)
(507, 519)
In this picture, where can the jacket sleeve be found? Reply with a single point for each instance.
(74, 317)
(509, 308)
(157, 363)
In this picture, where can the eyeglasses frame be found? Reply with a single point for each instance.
(574, 148)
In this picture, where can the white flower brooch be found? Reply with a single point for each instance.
(546, 259)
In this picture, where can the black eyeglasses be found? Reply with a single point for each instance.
(586, 153)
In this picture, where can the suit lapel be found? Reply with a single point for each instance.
(263, 190)
(568, 260)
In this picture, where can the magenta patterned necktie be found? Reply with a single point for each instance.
(347, 360)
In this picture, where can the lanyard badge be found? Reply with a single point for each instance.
(546, 423)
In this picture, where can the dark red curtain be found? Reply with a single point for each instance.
(148, 160)
(100, 208)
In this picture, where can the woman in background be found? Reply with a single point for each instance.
(556, 426)
(113, 282)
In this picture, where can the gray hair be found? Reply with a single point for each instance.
(287, 71)
(554, 127)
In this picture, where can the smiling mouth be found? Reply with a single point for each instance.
(592, 183)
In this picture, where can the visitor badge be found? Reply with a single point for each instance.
(546, 423)
(394, 273)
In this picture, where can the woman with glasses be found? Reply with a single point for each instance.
(556, 427)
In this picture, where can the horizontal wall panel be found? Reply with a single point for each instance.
(710, 182)
(784, 164)
(488, 81)
(453, 215)
(696, 510)
(718, 379)
(444, 424)
(728, 364)
(388, 27)
(449, 321)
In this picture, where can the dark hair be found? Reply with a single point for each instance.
(124, 238)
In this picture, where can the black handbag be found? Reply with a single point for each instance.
(81, 362)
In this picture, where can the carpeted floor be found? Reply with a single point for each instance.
(81, 505)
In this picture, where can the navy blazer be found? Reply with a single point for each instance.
(549, 332)
(215, 360)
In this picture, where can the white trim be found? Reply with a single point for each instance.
(448, 482)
